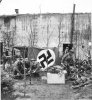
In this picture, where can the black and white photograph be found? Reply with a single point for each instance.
(45, 50)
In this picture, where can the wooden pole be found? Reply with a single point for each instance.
(72, 30)
(24, 74)
(90, 43)
(47, 36)
(1, 51)
(59, 29)
(72, 24)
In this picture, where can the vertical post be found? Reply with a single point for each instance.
(89, 53)
(59, 28)
(47, 36)
(72, 25)
(24, 74)
(13, 54)
(72, 28)
(30, 45)
(90, 43)
(1, 51)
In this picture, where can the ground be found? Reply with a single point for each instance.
(40, 90)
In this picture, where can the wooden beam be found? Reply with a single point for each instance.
(72, 24)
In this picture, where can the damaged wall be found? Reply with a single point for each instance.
(7, 31)
(1, 25)
(82, 34)
(36, 30)
(61, 23)
(26, 31)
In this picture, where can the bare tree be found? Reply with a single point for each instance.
(49, 32)
(59, 36)
(8, 37)
(32, 35)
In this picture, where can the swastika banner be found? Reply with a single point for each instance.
(46, 58)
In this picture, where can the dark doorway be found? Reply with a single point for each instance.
(67, 45)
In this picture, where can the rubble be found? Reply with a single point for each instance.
(6, 83)
(80, 74)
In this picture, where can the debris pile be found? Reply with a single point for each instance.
(6, 83)
(80, 73)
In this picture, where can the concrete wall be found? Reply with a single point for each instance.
(37, 29)
(1, 26)
(82, 34)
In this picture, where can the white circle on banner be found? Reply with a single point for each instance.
(46, 58)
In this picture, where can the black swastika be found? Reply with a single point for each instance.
(46, 58)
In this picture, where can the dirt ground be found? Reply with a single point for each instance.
(40, 90)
